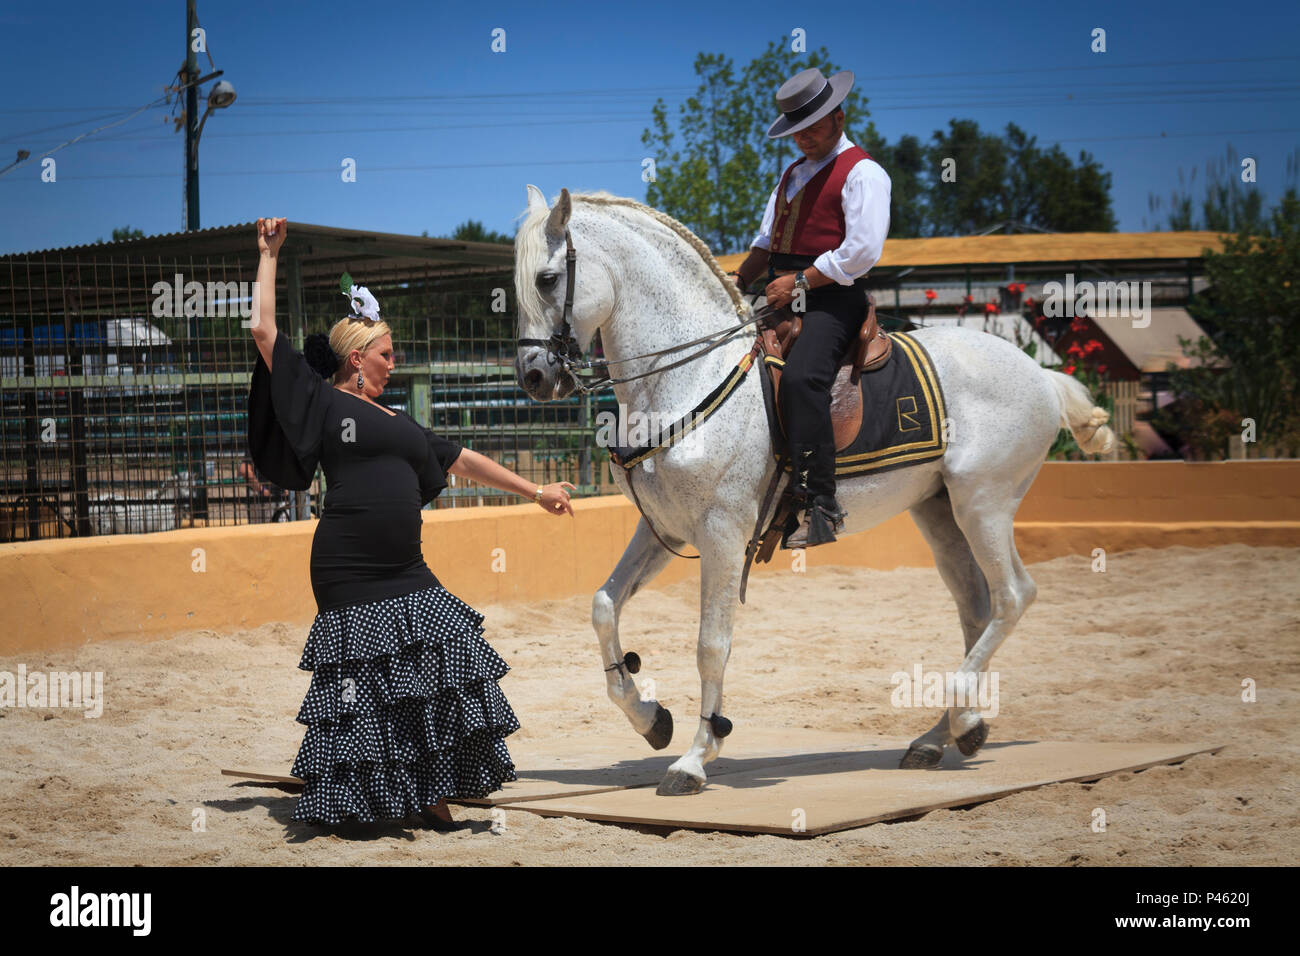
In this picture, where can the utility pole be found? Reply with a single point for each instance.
(191, 207)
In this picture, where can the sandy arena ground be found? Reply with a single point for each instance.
(1155, 649)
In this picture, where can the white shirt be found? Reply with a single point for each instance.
(865, 198)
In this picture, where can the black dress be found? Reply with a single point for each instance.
(404, 706)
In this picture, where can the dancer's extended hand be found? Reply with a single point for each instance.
(555, 499)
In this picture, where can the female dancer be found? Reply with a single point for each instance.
(404, 708)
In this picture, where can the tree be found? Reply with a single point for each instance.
(471, 230)
(977, 197)
(905, 162)
(1070, 198)
(715, 171)
(1247, 361)
(1230, 204)
(125, 232)
(1000, 178)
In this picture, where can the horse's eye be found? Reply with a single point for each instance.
(547, 280)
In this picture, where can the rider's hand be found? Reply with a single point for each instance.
(270, 235)
(555, 500)
(780, 291)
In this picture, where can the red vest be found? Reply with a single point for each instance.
(813, 222)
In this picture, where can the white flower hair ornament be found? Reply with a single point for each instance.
(364, 305)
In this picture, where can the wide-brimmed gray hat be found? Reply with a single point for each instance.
(806, 97)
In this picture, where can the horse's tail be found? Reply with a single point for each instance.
(1086, 421)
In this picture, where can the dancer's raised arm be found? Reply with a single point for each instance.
(270, 236)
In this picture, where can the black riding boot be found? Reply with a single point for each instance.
(814, 491)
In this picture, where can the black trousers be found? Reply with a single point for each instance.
(830, 325)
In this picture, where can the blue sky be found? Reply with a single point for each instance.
(444, 130)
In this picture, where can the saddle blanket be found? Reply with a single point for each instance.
(903, 414)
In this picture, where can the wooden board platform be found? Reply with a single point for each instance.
(857, 789)
(574, 766)
(265, 774)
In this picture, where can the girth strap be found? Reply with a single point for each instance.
(650, 524)
(629, 456)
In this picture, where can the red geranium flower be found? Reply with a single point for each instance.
(1069, 369)
(1101, 370)
(990, 308)
(1092, 345)
(1029, 302)
(968, 299)
(1078, 324)
(1075, 349)
(931, 294)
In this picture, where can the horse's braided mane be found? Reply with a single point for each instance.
(607, 199)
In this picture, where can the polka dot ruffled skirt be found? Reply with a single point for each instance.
(403, 709)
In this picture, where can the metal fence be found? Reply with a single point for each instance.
(124, 385)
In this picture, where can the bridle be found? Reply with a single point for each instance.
(563, 347)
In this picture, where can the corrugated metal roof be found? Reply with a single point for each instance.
(1065, 247)
(304, 239)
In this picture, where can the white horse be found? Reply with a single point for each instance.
(648, 284)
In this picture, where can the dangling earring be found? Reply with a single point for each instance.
(359, 380)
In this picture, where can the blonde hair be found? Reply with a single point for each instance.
(346, 335)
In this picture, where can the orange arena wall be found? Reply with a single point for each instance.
(67, 592)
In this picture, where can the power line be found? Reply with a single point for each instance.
(1091, 66)
(241, 134)
(9, 169)
(1142, 89)
(602, 91)
(636, 160)
(1085, 97)
(334, 171)
(134, 135)
(1218, 132)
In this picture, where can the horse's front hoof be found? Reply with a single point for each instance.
(973, 739)
(921, 757)
(660, 734)
(676, 783)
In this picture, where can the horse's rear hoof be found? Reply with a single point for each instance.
(973, 739)
(923, 757)
(660, 734)
(678, 784)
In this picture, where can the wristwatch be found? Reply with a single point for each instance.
(801, 282)
(537, 495)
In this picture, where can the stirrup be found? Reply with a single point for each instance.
(822, 518)
(825, 518)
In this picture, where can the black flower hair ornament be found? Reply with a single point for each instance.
(319, 355)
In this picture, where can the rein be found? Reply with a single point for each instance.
(563, 346)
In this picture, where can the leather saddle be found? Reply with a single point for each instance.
(870, 351)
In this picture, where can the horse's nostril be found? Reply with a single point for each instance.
(532, 379)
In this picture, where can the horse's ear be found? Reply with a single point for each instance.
(536, 201)
(559, 217)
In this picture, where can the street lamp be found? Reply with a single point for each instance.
(219, 97)
(22, 154)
